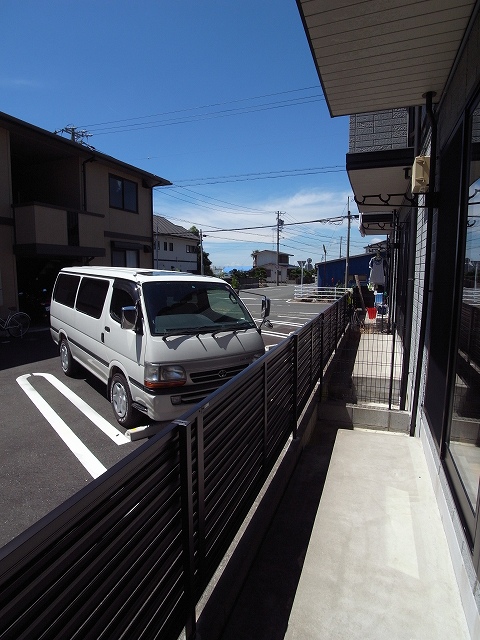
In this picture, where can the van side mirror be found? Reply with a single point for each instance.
(129, 317)
(265, 307)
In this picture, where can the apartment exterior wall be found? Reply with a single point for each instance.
(7, 260)
(439, 222)
(55, 211)
(378, 131)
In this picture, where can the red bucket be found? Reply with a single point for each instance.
(372, 313)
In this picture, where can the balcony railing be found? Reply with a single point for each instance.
(131, 553)
(43, 224)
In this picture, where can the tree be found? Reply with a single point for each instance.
(207, 270)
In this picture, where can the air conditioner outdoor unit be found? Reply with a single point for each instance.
(420, 174)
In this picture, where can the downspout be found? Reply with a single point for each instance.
(407, 336)
(84, 180)
(430, 201)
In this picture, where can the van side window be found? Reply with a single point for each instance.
(91, 296)
(66, 289)
(122, 296)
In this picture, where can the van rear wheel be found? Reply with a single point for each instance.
(121, 400)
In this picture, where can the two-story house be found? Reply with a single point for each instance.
(276, 271)
(175, 248)
(63, 203)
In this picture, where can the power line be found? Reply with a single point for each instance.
(244, 177)
(334, 220)
(213, 206)
(207, 106)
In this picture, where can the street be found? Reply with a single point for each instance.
(58, 433)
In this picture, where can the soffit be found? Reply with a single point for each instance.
(373, 55)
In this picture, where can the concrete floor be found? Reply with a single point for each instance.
(377, 564)
(356, 549)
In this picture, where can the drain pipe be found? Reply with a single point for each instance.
(429, 198)
(84, 179)
(407, 337)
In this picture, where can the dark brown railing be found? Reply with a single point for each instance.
(130, 555)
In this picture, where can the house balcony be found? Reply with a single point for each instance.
(49, 230)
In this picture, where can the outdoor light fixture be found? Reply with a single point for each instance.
(420, 174)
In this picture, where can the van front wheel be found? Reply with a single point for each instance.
(121, 400)
(69, 366)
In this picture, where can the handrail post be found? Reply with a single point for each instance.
(201, 497)
(265, 416)
(186, 489)
(295, 384)
(322, 318)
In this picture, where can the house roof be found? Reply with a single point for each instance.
(29, 143)
(383, 54)
(164, 227)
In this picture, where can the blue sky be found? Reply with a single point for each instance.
(220, 97)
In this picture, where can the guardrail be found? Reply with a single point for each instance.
(471, 296)
(131, 554)
(313, 293)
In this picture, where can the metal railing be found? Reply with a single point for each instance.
(471, 296)
(318, 294)
(130, 555)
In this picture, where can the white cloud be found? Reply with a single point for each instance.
(234, 248)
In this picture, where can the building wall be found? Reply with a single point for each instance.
(177, 258)
(8, 296)
(378, 131)
(118, 226)
(463, 83)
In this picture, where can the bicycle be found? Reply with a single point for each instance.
(16, 323)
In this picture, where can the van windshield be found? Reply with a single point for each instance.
(184, 307)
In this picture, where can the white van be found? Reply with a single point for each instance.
(160, 340)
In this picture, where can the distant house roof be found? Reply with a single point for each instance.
(29, 141)
(283, 253)
(164, 227)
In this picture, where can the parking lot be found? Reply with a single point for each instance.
(58, 433)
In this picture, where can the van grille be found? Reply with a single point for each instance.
(217, 375)
(208, 382)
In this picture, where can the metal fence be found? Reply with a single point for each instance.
(318, 294)
(130, 555)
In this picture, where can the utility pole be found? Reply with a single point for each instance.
(348, 242)
(201, 252)
(279, 227)
(76, 135)
(325, 267)
(341, 238)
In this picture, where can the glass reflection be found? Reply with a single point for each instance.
(464, 441)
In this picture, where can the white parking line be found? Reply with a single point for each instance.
(276, 335)
(76, 446)
(289, 324)
(114, 434)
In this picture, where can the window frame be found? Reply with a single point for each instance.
(123, 182)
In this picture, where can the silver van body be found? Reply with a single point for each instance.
(160, 340)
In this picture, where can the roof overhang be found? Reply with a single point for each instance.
(372, 56)
(380, 180)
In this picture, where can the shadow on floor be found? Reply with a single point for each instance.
(263, 607)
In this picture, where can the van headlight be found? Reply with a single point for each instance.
(157, 376)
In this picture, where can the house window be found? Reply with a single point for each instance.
(170, 246)
(191, 248)
(123, 194)
(125, 258)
